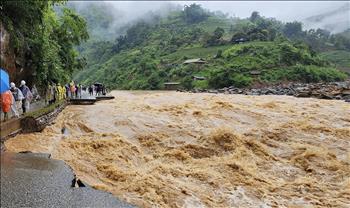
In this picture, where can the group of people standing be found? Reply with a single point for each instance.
(99, 89)
(58, 92)
(16, 99)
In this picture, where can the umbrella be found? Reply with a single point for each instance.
(4, 81)
(97, 83)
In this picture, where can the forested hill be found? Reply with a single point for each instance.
(238, 52)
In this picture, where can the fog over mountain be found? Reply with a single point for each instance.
(334, 20)
(331, 15)
(335, 14)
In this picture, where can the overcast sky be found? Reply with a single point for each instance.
(283, 10)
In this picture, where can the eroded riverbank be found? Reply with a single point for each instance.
(176, 149)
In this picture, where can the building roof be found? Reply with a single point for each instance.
(255, 72)
(171, 83)
(198, 77)
(195, 61)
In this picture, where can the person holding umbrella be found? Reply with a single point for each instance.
(5, 94)
(4, 81)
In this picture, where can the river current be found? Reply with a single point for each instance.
(172, 149)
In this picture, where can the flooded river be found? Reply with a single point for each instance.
(172, 149)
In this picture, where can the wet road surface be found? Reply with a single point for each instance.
(34, 180)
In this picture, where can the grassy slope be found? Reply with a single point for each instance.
(340, 58)
(197, 52)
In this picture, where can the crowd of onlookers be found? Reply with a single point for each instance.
(58, 92)
(18, 100)
(99, 89)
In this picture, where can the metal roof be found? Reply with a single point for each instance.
(171, 83)
(197, 60)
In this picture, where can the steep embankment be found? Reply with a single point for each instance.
(203, 150)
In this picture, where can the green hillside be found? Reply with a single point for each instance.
(340, 59)
(152, 52)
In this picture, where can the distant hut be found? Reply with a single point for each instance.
(171, 85)
(255, 72)
(198, 78)
(195, 61)
(198, 62)
(240, 40)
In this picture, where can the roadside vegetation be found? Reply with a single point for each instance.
(43, 40)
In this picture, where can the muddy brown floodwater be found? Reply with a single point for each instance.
(172, 149)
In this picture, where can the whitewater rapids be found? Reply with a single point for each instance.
(172, 149)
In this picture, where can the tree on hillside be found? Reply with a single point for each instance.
(293, 29)
(135, 35)
(216, 38)
(219, 32)
(238, 36)
(341, 40)
(194, 13)
(254, 16)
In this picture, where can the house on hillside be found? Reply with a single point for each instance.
(195, 61)
(171, 85)
(198, 78)
(198, 62)
(255, 72)
(240, 40)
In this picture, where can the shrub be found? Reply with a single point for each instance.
(240, 80)
(187, 82)
(317, 74)
(219, 78)
(305, 74)
(224, 78)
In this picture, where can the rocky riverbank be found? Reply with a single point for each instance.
(333, 90)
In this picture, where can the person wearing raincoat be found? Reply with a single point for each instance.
(28, 96)
(60, 92)
(72, 89)
(18, 97)
(51, 93)
(64, 93)
(35, 93)
(6, 102)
